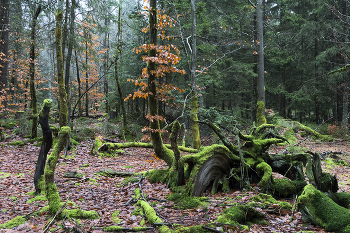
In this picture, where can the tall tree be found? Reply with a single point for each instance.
(4, 42)
(33, 104)
(116, 67)
(160, 150)
(194, 97)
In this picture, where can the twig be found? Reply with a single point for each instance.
(58, 212)
(293, 209)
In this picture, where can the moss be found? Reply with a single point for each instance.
(18, 143)
(308, 131)
(193, 229)
(342, 199)
(241, 214)
(260, 110)
(201, 157)
(152, 217)
(195, 124)
(187, 202)
(4, 174)
(9, 125)
(118, 228)
(137, 212)
(37, 198)
(157, 175)
(287, 188)
(319, 209)
(265, 198)
(13, 222)
(267, 177)
(78, 213)
(328, 183)
(47, 103)
(290, 136)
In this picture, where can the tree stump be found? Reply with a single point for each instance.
(46, 143)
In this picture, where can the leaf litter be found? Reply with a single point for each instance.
(105, 195)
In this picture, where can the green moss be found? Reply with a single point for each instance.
(13, 222)
(287, 188)
(81, 214)
(290, 136)
(18, 143)
(342, 199)
(187, 202)
(308, 131)
(37, 198)
(267, 177)
(138, 211)
(9, 125)
(4, 174)
(260, 110)
(193, 229)
(47, 103)
(152, 216)
(241, 214)
(132, 229)
(319, 209)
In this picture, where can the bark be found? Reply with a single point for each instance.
(173, 140)
(105, 84)
(86, 82)
(261, 71)
(4, 39)
(194, 99)
(33, 103)
(118, 52)
(46, 143)
(80, 111)
(160, 150)
(63, 113)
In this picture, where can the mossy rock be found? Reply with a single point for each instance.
(287, 188)
(241, 214)
(321, 210)
(184, 201)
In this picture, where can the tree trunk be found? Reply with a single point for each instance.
(261, 71)
(63, 113)
(86, 82)
(4, 26)
(33, 103)
(160, 150)
(46, 143)
(118, 52)
(80, 111)
(194, 99)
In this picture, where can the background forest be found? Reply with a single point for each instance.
(303, 42)
(111, 76)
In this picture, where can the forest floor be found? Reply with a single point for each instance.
(107, 194)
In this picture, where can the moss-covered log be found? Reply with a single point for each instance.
(114, 146)
(150, 213)
(321, 210)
